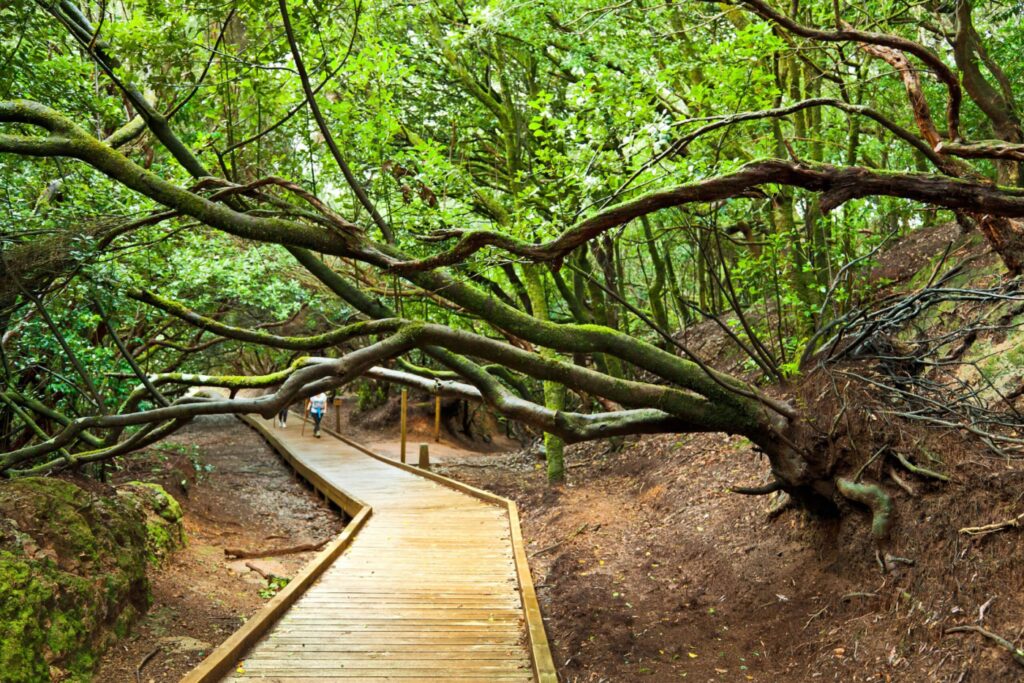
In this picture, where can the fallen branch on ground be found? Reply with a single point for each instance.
(858, 594)
(142, 664)
(266, 576)
(274, 552)
(1016, 652)
(583, 527)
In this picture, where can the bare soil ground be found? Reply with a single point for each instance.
(234, 492)
(649, 569)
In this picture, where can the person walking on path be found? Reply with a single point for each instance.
(317, 408)
(282, 418)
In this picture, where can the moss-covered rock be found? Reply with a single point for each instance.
(165, 532)
(72, 576)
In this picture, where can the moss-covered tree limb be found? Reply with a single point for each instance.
(837, 185)
(41, 408)
(317, 375)
(423, 335)
(373, 308)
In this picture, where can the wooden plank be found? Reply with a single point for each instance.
(373, 669)
(543, 664)
(451, 650)
(405, 677)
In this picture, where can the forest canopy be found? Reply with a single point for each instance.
(519, 203)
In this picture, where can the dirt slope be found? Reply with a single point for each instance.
(674, 578)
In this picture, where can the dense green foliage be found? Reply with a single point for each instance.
(443, 119)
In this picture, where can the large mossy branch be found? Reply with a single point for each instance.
(373, 308)
(836, 185)
(717, 387)
(701, 414)
(301, 382)
(145, 436)
(36, 406)
(261, 337)
(69, 140)
(318, 375)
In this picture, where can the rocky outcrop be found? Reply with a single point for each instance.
(73, 559)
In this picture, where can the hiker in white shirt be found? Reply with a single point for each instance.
(317, 408)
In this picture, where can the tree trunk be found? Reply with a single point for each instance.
(554, 392)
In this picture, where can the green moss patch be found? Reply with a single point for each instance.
(72, 577)
(165, 532)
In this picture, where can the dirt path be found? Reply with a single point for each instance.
(236, 493)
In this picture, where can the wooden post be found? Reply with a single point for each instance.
(337, 414)
(437, 419)
(424, 456)
(405, 404)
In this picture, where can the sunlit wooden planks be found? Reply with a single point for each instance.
(431, 589)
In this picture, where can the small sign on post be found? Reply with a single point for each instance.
(337, 414)
(424, 456)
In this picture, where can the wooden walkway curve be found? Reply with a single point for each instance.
(428, 582)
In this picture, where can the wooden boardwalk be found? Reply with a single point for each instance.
(428, 582)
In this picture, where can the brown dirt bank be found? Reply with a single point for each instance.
(649, 569)
(235, 492)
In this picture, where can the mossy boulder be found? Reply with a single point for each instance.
(165, 532)
(72, 576)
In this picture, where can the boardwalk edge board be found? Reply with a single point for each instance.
(223, 659)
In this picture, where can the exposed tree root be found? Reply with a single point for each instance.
(901, 483)
(875, 498)
(888, 562)
(918, 470)
(992, 528)
(781, 503)
(1016, 652)
(763, 490)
